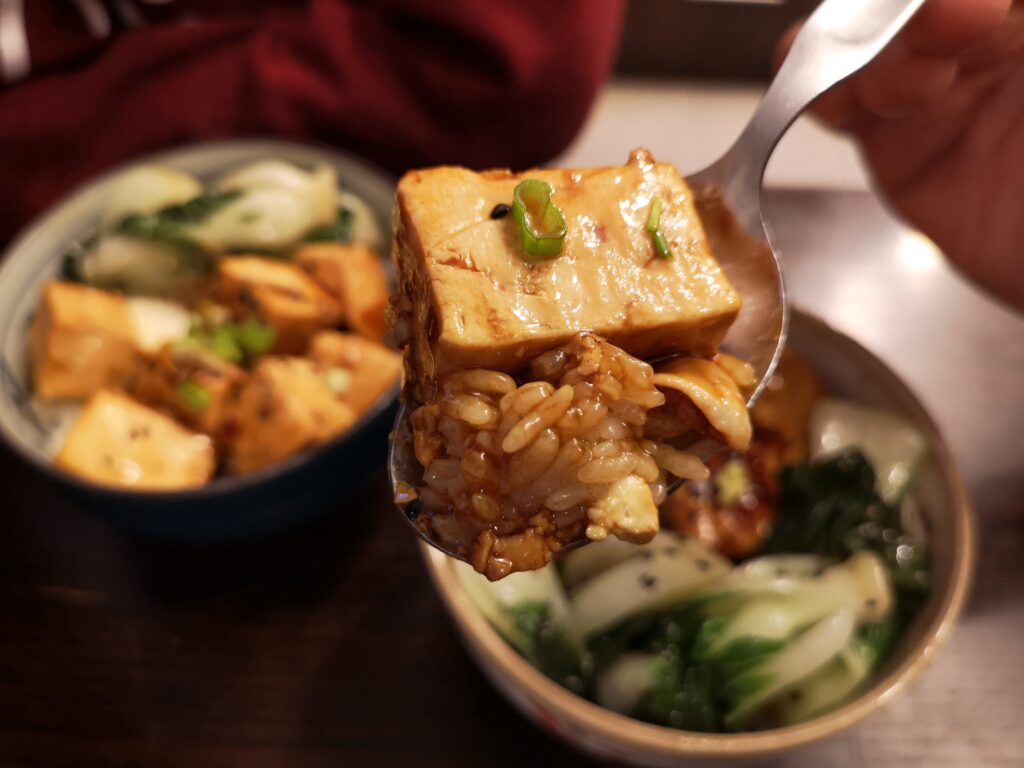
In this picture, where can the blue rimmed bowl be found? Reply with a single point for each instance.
(281, 496)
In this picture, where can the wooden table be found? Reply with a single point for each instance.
(327, 646)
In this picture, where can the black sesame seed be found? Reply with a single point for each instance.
(870, 602)
(781, 572)
(671, 551)
(702, 564)
(647, 581)
(647, 554)
(413, 508)
(500, 211)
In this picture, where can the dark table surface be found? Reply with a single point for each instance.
(328, 646)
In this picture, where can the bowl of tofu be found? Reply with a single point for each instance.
(682, 651)
(193, 346)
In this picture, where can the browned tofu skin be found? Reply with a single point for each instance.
(467, 298)
(81, 341)
(278, 293)
(284, 407)
(162, 375)
(355, 276)
(372, 368)
(118, 441)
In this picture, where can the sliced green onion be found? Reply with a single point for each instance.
(653, 226)
(194, 395)
(661, 245)
(255, 337)
(223, 342)
(654, 216)
(541, 223)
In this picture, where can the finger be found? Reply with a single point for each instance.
(899, 81)
(946, 27)
(840, 107)
(1003, 46)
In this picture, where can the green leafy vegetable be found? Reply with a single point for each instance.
(877, 639)
(172, 224)
(194, 395)
(831, 508)
(338, 231)
(542, 225)
(685, 694)
(548, 647)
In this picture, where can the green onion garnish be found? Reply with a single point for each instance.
(223, 342)
(661, 247)
(541, 223)
(194, 395)
(654, 216)
(255, 337)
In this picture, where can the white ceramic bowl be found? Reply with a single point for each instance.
(849, 371)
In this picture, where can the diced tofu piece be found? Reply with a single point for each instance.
(370, 368)
(468, 299)
(117, 441)
(81, 341)
(627, 511)
(278, 293)
(193, 384)
(284, 407)
(355, 276)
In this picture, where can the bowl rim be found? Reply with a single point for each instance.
(625, 732)
(253, 148)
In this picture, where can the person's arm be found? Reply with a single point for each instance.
(403, 82)
(940, 119)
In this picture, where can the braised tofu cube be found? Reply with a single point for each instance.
(468, 298)
(355, 276)
(118, 441)
(190, 382)
(284, 407)
(279, 294)
(359, 370)
(81, 341)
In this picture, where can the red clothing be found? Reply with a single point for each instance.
(402, 82)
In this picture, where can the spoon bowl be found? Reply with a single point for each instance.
(837, 40)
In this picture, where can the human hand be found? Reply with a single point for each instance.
(940, 119)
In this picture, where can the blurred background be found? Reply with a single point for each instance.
(689, 74)
(329, 644)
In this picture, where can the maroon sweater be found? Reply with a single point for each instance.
(85, 84)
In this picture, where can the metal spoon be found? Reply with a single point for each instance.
(838, 39)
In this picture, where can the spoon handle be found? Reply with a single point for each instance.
(838, 39)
